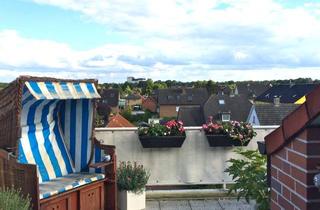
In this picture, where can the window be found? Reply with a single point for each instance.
(170, 97)
(105, 101)
(221, 102)
(225, 117)
(254, 119)
(189, 98)
(111, 95)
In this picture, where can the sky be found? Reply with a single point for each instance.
(183, 40)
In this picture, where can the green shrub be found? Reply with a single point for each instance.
(11, 199)
(250, 176)
(132, 177)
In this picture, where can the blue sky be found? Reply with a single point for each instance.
(169, 39)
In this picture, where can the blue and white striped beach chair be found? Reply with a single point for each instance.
(55, 135)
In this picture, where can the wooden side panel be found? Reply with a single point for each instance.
(66, 202)
(92, 197)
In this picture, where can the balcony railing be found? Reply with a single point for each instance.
(195, 163)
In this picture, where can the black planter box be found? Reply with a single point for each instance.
(223, 141)
(262, 147)
(161, 141)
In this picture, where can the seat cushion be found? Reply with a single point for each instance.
(68, 182)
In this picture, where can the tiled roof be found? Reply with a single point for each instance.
(238, 106)
(286, 93)
(150, 104)
(118, 121)
(252, 90)
(133, 97)
(182, 96)
(191, 116)
(270, 114)
(295, 122)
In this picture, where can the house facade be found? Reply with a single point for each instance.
(133, 99)
(225, 107)
(171, 100)
(110, 98)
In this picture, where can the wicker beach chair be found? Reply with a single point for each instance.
(47, 145)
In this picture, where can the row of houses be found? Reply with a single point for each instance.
(259, 104)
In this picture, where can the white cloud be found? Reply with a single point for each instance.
(186, 39)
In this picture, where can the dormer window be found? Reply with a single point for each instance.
(225, 117)
(221, 102)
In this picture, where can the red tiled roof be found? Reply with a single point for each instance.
(119, 121)
(149, 104)
(294, 122)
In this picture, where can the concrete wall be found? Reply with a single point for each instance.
(194, 163)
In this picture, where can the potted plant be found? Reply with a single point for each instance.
(171, 134)
(131, 181)
(231, 133)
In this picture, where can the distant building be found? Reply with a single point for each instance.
(226, 108)
(133, 80)
(290, 93)
(110, 97)
(269, 114)
(191, 116)
(133, 99)
(251, 90)
(171, 100)
(117, 121)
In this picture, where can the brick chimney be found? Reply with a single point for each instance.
(294, 153)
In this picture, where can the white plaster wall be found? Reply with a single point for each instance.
(194, 163)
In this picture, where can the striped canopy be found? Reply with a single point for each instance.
(62, 90)
(56, 127)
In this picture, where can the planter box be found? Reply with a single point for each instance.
(130, 201)
(161, 141)
(223, 141)
(262, 147)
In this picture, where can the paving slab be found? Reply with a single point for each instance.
(233, 204)
(205, 205)
(175, 205)
(200, 204)
(153, 205)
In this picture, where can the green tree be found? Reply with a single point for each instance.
(211, 87)
(250, 176)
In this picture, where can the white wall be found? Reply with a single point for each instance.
(194, 163)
